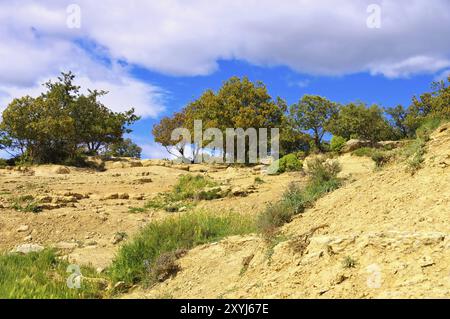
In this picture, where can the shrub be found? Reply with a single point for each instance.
(427, 127)
(288, 163)
(42, 275)
(3, 163)
(414, 153)
(323, 179)
(136, 259)
(349, 262)
(26, 203)
(189, 185)
(337, 143)
(378, 156)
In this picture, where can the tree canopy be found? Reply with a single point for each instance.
(62, 123)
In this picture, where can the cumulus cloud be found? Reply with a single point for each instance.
(325, 37)
(176, 37)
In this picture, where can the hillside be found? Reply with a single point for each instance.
(384, 235)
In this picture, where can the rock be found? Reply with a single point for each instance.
(50, 206)
(91, 243)
(134, 164)
(137, 196)
(354, 144)
(28, 248)
(182, 209)
(239, 191)
(23, 228)
(267, 160)
(61, 170)
(426, 261)
(111, 196)
(66, 245)
(259, 168)
(123, 196)
(44, 199)
(78, 196)
(117, 238)
(182, 167)
(198, 168)
(144, 180)
(28, 238)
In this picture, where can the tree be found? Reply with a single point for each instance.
(239, 103)
(162, 133)
(398, 116)
(61, 123)
(124, 148)
(356, 120)
(314, 113)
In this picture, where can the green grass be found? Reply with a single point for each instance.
(26, 203)
(135, 261)
(188, 190)
(380, 157)
(41, 276)
(414, 153)
(323, 179)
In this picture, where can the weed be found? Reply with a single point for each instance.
(349, 262)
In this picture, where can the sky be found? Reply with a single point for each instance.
(158, 55)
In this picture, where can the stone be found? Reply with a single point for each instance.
(66, 245)
(354, 144)
(28, 248)
(23, 228)
(111, 196)
(123, 196)
(426, 261)
(28, 238)
(117, 238)
(239, 191)
(61, 170)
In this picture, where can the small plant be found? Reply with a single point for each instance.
(337, 143)
(288, 163)
(349, 262)
(259, 180)
(414, 153)
(378, 156)
(135, 210)
(42, 275)
(323, 179)
(26, 203)
(136, 259)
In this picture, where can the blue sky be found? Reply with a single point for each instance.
(157, 56)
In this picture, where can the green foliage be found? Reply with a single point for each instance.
(380, 157)
(414, 153)
(124, 148)
(337, 143)
(428, 126)
(356, 120)
(42, 276)
(61, 122)
(239, 103)
(26, 203)
(289, 163)
(349, 262)
(189, 186)
(136, 259)
(187, 190)
(3, 163)
(398, 119)
(314, 113)
(323, 179)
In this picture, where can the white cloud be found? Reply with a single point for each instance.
(320, 37)
(325, 37)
